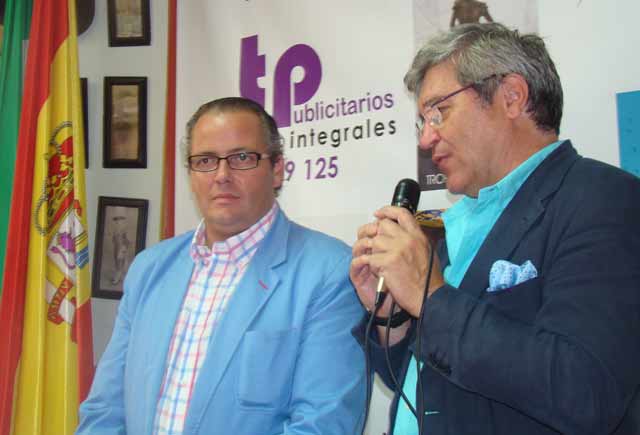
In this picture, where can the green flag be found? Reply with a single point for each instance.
(17, 16)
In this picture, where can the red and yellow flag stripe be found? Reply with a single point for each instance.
(48, 361)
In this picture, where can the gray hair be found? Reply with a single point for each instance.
(272, 137)
(479, 51)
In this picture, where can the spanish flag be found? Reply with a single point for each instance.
(46, 362)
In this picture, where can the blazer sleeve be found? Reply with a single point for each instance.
(103, 412)
(562, 348)
(328, 392)
(398, 354)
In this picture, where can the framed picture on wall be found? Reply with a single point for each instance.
(120, 235)
(125, 122)
(129, 22)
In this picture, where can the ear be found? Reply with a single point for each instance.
(515, 94)
(278, 172)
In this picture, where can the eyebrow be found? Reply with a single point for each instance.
(429, 103)
(437, 99)
(235, 150)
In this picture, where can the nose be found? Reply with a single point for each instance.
(428, 137)
(223, 173)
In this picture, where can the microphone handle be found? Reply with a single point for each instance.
(381, 292)
(406, 195)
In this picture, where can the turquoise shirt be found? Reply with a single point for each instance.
(467, 224)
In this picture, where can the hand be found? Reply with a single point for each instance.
(363, 279)
(396, 248)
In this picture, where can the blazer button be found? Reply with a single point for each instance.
(438, 365)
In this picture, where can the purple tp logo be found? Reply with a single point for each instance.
(252, 67)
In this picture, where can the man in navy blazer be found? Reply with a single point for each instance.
(530, 321)
(242, 326)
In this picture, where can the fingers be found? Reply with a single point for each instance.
(402, 217)
(368, 230)
(392, 221)
(394, 247)
(360, 265)
(392, 212)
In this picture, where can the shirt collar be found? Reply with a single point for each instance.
(235, 247)
(504, 190)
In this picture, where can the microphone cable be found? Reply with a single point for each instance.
(397, 385)
(419, 412)
(367, 363)
(420, 396)
(369, 377)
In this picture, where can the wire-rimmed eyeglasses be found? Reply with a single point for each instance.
(432, 114)
(210, 162)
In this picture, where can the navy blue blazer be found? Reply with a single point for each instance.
(559, 353)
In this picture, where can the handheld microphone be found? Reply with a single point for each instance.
(407, 195)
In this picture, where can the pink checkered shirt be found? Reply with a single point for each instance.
(216, 273)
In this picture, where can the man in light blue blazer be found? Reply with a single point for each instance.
(243, 325)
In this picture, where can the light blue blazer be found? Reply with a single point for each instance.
(281, 361)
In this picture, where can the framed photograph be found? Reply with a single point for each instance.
(120, 235)
(125, 122)
(129, 23)
(85, 118)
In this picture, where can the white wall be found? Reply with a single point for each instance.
(592, 43)
(98, 60)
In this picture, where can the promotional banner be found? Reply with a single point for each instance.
(331, 74)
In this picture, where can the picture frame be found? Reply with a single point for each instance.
(120, 236)
(129, 23)
(125, 122)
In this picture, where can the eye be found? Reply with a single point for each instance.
(242, 156)
(204, 161)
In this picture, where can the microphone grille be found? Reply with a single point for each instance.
(407, 194)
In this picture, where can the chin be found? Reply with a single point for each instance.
(457, 185)
(454, 188)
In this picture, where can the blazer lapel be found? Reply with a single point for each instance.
(259, 282)
(159, 317)
(522, 212)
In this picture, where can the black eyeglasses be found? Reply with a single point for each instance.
(210, 162)
(432, 114)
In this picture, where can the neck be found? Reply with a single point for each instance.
(516, 148)
(522, 145)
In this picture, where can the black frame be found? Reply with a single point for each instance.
(99, 291)
(116, 40)
(140, 160)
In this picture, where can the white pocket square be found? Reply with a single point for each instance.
(504, 275)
